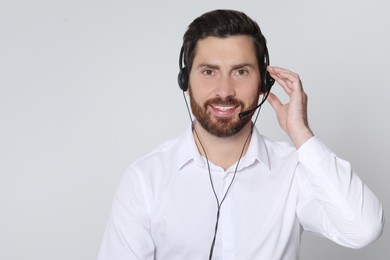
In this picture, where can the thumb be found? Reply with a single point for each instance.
(274, 101)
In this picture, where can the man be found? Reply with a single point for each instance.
(222, 190)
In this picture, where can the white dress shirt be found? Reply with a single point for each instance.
(165, 209)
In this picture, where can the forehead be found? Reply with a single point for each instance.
(232, 49)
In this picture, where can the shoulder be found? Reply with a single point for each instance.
(157, 168)
(161, 157)
(148, 175)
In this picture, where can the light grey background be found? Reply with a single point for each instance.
(86, 87)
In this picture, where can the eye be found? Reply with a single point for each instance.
(207, 72)
(242, 72)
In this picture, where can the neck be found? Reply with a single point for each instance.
(222, 151)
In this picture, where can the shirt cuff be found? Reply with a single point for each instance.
(312, 152)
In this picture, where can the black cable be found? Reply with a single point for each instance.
(227, 190)
(219, 204)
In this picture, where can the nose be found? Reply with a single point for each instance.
(225, 87)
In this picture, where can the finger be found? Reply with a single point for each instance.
(285, 84)
(282, 82)
(276, 70)
(283, 74)
(274, 101)
(287, 79)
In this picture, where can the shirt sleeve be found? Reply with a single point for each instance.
(127, 234)
(334, 202)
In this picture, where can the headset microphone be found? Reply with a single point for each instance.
(244, 114)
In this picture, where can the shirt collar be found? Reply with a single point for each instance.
(257, 151)
(187, 150)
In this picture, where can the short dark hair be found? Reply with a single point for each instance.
(222, 23)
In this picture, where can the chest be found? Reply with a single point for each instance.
(257, 211)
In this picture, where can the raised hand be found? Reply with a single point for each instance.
(292, 116)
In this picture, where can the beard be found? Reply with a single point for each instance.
(220, 126)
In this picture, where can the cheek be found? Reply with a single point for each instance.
(194, 95)
(200, 92)
(251, 94)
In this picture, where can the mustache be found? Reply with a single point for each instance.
(229, 101)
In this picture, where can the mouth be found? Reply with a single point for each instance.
(223, 110)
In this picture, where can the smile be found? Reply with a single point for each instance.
(224, 108)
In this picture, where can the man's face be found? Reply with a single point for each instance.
(224, 81)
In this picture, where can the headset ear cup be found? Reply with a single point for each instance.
(267, 83)
(270, 81)
(182, 79)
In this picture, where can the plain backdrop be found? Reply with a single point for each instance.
(88, 86)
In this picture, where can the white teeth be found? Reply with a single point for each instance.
(223, 108)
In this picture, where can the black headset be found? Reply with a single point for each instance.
(266, 84)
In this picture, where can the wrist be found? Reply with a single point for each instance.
(301, 137)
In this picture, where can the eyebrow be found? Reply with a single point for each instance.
(207, 65)
(212, 66)
(239, 66)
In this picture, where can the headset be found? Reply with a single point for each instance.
(266, 84)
